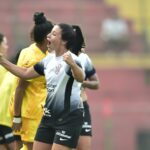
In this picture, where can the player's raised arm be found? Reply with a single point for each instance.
(25, 73)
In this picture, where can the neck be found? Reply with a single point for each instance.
(60, 51)
(42, 47)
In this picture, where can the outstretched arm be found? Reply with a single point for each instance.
(25, 73)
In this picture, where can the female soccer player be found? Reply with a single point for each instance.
(6, 87)
(3, 50)
(31, 95)
(63, 112)
(91, 82)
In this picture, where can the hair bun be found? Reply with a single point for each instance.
(39, 18)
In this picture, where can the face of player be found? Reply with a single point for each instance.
(4, 46)
(55, 41)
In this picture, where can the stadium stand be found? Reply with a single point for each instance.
(89, 14)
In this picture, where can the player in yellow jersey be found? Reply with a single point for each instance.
(3, 50)
(30, 95)
(6, 135)
(7, 86)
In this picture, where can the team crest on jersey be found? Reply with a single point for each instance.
(57, 68)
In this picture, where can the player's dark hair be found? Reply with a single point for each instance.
(79, 40)
(41, 28)
(67, 34)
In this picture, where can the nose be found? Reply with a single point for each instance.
(48, 36)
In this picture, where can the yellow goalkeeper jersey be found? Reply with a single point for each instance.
(35, 93)
(7, 88)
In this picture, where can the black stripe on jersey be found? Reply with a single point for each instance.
(68, 91)
(39, 68)
(69, 70)
(78, 63)
(90, 73)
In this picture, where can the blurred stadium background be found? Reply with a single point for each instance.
(121, 107)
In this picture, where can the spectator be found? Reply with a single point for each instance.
(114, 33)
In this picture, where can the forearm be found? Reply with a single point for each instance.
(90, 84)
(24, 73)
(18, 102)
(14, 69)
(19, 94)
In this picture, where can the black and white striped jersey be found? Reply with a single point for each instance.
(63, 90)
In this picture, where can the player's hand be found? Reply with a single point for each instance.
(68, 58)
(16, 126)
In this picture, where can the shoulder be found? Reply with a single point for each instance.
(27, 51)
(24, 51)
(26, 58)
(75, 57)
(84, 57)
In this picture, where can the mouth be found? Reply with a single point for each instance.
(48, 44)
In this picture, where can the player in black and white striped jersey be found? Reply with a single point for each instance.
(91, 82)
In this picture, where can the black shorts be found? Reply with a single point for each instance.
(6, 135)
(66, 134)
(17, 137)
(87, 126)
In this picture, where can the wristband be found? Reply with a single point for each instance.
(17, 120)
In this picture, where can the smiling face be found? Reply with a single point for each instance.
(54, 39)
(4, 46)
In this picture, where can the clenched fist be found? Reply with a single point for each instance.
(68, 58)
